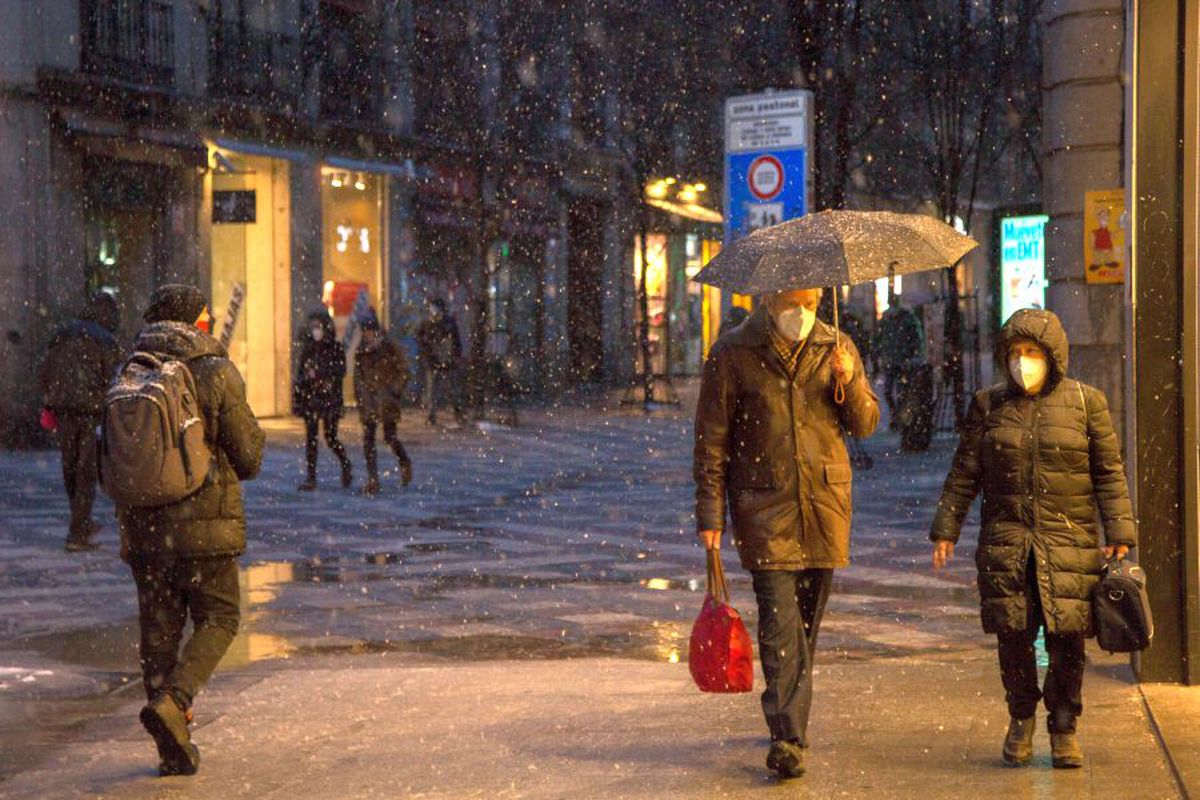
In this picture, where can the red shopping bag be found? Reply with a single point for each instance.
(720, 657)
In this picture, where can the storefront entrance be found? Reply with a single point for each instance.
(251, 230)
(125, 212)
(352, 252)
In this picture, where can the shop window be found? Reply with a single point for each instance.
(656, 294)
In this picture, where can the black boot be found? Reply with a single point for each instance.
(347, 474)
(405, 472)
(167, 722)
(786, 759)
(372, 486)
(309, 485)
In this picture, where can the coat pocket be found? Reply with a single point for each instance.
(838, 478)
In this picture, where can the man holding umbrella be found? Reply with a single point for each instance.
(777, 393)
(769, 437)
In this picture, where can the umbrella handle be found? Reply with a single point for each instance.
(839, 388)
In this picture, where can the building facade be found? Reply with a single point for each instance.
(315, 154)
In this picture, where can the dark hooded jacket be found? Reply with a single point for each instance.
(212, 521)
(317, 390)
(380, 379)
(774, 447)
(1049, 468)
(81, 361)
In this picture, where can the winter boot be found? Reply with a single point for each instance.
(167, 723)
(372, 486)
(78, 544)
(1065, 752)
(786, 759)
(347, 474)
(1018, 742)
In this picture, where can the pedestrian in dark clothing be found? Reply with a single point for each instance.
(900, 340)
(769, 440)
(440, 347)
(80, 364)
(380, 380)
(317, 394)
(1042, 450)
(184, 555)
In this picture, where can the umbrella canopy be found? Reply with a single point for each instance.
(835, 248)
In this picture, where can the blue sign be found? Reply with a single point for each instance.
(767, 139)
(764, 189)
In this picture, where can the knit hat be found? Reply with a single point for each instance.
(175, 302)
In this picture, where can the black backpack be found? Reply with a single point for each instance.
(1121, 608)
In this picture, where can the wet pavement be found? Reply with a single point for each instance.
(535, 559)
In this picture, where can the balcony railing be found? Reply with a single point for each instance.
(255, 66)
(133, 40)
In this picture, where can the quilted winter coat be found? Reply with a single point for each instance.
(1049, 468)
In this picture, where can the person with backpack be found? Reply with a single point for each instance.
(178, 438)
(81, 361)
(1041, 449)
(440, 347)
(380, 379)
(317, 394)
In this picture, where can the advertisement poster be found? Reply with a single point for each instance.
(1022, 264)
(1104, 236)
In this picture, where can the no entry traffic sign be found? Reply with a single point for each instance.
(765, 177)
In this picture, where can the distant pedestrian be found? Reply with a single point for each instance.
(441, 351)
(769, 441)
(184, 554)
(900, 341)
(317, 394)
(81, 361)
(380, 381)
(1042, 450)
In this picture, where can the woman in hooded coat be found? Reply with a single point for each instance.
(317, 393)
(1042, 450)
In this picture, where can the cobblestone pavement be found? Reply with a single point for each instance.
(570, 537)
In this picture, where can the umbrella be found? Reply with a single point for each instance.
(835, 248)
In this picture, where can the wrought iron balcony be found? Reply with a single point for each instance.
(255, 66)
(132, 40)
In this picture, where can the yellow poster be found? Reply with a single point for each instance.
(1104, 236)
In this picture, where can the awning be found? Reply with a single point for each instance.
(265, 150)
(688, 210)
(113, 139)
(405, 170)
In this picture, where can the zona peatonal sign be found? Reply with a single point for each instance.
(767, 144)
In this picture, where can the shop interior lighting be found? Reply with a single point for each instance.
(657, 189)
(360, 182)
(337, 180)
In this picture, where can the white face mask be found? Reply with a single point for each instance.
(795, 323)
(318, 334)
(1029, 373)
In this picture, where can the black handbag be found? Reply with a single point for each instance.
(1121, 608)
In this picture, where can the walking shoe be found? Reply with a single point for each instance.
(347, 475)
(75, 544)
(1018, 742)
(786, 758)
(167, 724)
(372, 487)
(405, 472)
(1065, 752)
(309, 485)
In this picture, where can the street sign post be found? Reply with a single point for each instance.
(768, 139)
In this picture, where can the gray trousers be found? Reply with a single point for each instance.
(790, 607)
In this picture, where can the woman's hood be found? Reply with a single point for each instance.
(1042, 327)
(322, 318)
